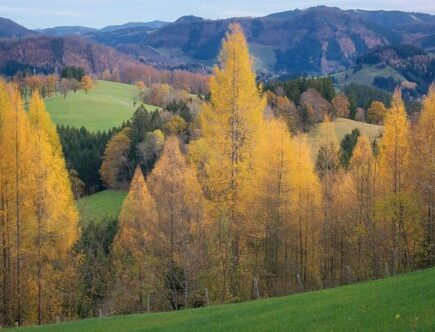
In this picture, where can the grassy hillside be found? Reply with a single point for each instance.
(366, 75)
(102, 205)
(403, 303)
(107, 105)
(342, 127)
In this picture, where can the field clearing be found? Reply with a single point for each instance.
(366, 75)
(101, 206)
(341, 127)
(106, 106)
(401, 303)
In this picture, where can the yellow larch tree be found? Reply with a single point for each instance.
(397, 204)
(17, 217)
(307, 198)
(133, 248)
(115, 169)
(327, 167)
(230, 126)
(363, 172)
(182, 216)
(6, 221)
(272, 194)
(424, 171)
(87, 83)
(55, 214)
(376, 112)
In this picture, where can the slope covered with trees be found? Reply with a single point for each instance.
(226, 202)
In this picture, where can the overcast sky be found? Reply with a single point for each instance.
(99, 13)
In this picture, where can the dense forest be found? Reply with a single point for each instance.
(225, 202)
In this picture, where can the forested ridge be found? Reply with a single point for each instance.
(225, 201)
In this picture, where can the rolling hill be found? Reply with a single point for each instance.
(317, 40)
(387, 67)
(401, 303)
(11, 29)
(366, 75)
(106, 106)
(47, 54)
(65, 31)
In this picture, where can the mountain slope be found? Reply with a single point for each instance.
(66, 31)
(153, 25)
(402, 303)
(9, 29)
(316, 40)
(48, 54)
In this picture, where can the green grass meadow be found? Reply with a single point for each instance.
(104, 205)
(402, 303)
(106, 106)
(341, 127)
(366, 75)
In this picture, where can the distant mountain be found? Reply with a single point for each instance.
(10, 29)
(153, 25)
(318, 40)
(66, 31)
(314, 41)
(50, 54)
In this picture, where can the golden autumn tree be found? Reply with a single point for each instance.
(376, 112)
(230, 126)
(273, 193)
(327, 167)
(115, 169)
(363, 172)
(306, 205)
(341, 105)
(182, 217)
(17, 217)
(397, 204)
(55, 214)
(424, 171)
(133, 248)
(7, 180)
(87, 84)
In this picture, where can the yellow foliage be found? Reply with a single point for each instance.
(395, 148)
(397, 206)
(133, 247)
(38, 210)
(115, 167)
(231, 125)
(182, 215)
(87, 83)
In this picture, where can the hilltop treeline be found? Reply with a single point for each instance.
(179, 79)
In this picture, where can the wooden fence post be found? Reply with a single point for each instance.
(207, 301)
(301, 286)
(387, 270)
(349, 274)
(257, 291)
